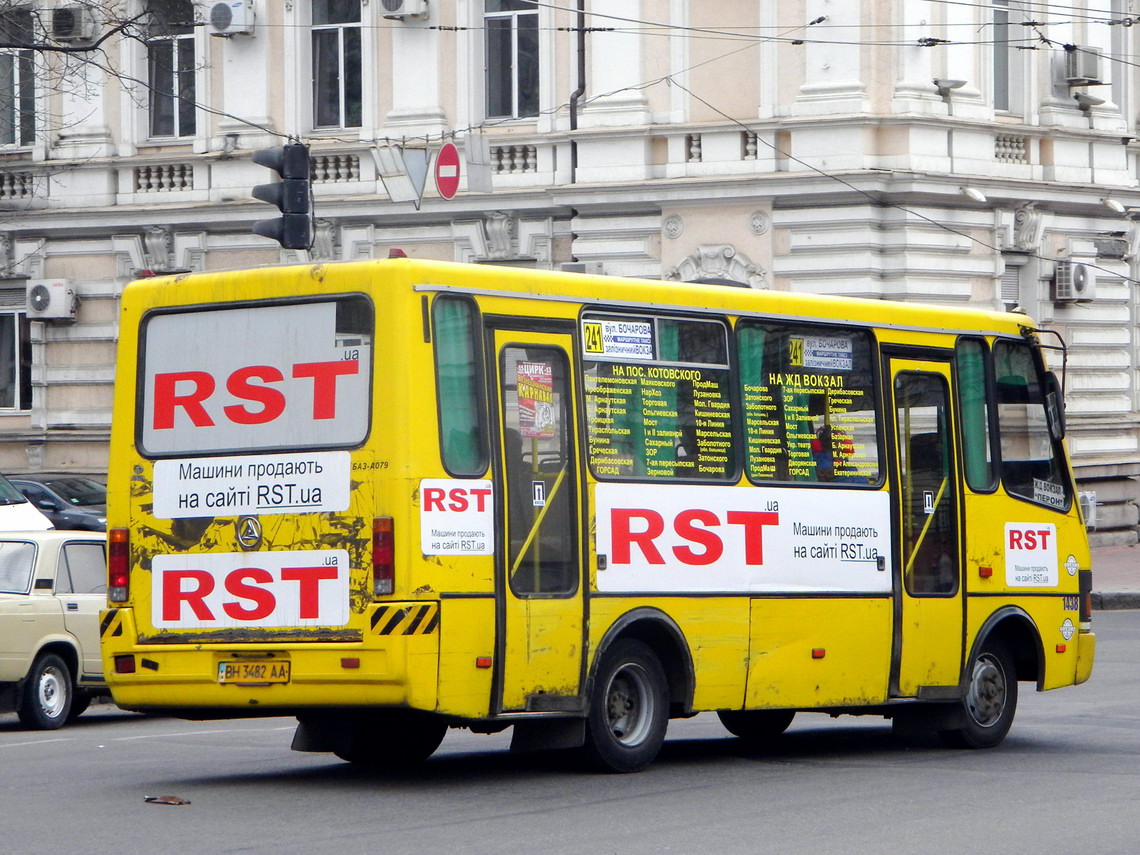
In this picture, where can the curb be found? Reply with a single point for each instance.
(1116, 600)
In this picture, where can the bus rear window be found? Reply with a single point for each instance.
(257, 378)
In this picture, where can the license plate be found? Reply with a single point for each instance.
(274, 671)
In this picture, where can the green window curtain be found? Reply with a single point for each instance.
(462, 440)
(750, 343)
(975, 415)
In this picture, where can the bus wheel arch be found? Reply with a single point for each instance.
(661, 634)
(1017, 631)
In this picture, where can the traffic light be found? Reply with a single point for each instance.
(294, 228)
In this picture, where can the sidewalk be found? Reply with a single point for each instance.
(1116, 577)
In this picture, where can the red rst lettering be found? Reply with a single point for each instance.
(173, 596)
(458, 498)
(1044, 535)
(309, 580)
(433, 499)
(713, 547)
(623, 536)
(272, 401)
(481, 494)
(1014, 539)
(167, 399)
(264, 600)
(324, 376)
(753, 522)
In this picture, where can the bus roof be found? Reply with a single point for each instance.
(596, 290)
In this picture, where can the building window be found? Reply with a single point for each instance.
(15, 362)
(512, 58)
(337, 92)
(17, 79)
(170, 68)
(1008, 68)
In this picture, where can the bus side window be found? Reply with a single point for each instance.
(1031, 466)
(973, 405)
(458, 377)
(809, 409)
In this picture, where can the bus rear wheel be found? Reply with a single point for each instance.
(990, 702)
(391, 739)
(629, 709)
(756, 727)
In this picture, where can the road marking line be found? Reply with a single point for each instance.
(38, 742)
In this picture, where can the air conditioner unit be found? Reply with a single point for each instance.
(73, 25)
(1087, 501)
(1073, 283)
(1082, 66)
(51, 299)
(231, 18)
(404, 8)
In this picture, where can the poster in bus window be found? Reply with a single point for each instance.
(536, 399)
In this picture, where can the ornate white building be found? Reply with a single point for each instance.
(928, 150)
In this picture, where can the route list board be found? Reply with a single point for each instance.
(651, 419)
(808, 408)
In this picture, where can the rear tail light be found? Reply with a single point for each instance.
(118, 565)
(383, 557)
(1084, 578)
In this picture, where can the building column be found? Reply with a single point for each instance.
(416, 108)
(614, 62)
(832, 78)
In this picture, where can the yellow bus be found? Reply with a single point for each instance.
(392, 497)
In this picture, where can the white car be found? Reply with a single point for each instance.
(16, 512)
(52, 586)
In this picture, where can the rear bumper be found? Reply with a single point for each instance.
(1086, 652)
(373, 672)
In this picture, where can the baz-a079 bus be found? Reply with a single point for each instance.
(394, 497)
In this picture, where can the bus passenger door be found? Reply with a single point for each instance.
(538, 577)
(927, 656)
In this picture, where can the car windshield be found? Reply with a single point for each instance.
(16, 560)
(9, 495)
(79, 491)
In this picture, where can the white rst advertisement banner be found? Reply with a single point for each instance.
(680, 539)
(1031, 555)
(457, 517)
(256, 378)
(252, 484)
(230, 590)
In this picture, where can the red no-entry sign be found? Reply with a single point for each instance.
(447, 171)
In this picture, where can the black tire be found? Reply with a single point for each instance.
(391, 739)
(47, 696)
(80, 701)
(990, 702)
(756, 727)
(629, 709)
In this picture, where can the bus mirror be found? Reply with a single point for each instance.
(1054, 407)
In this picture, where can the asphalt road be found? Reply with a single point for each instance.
(1067, 779)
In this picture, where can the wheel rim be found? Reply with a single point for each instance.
(630, 705)
(987, 696)
(51, 692)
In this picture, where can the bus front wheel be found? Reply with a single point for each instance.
(990, 702)
(629, 709)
